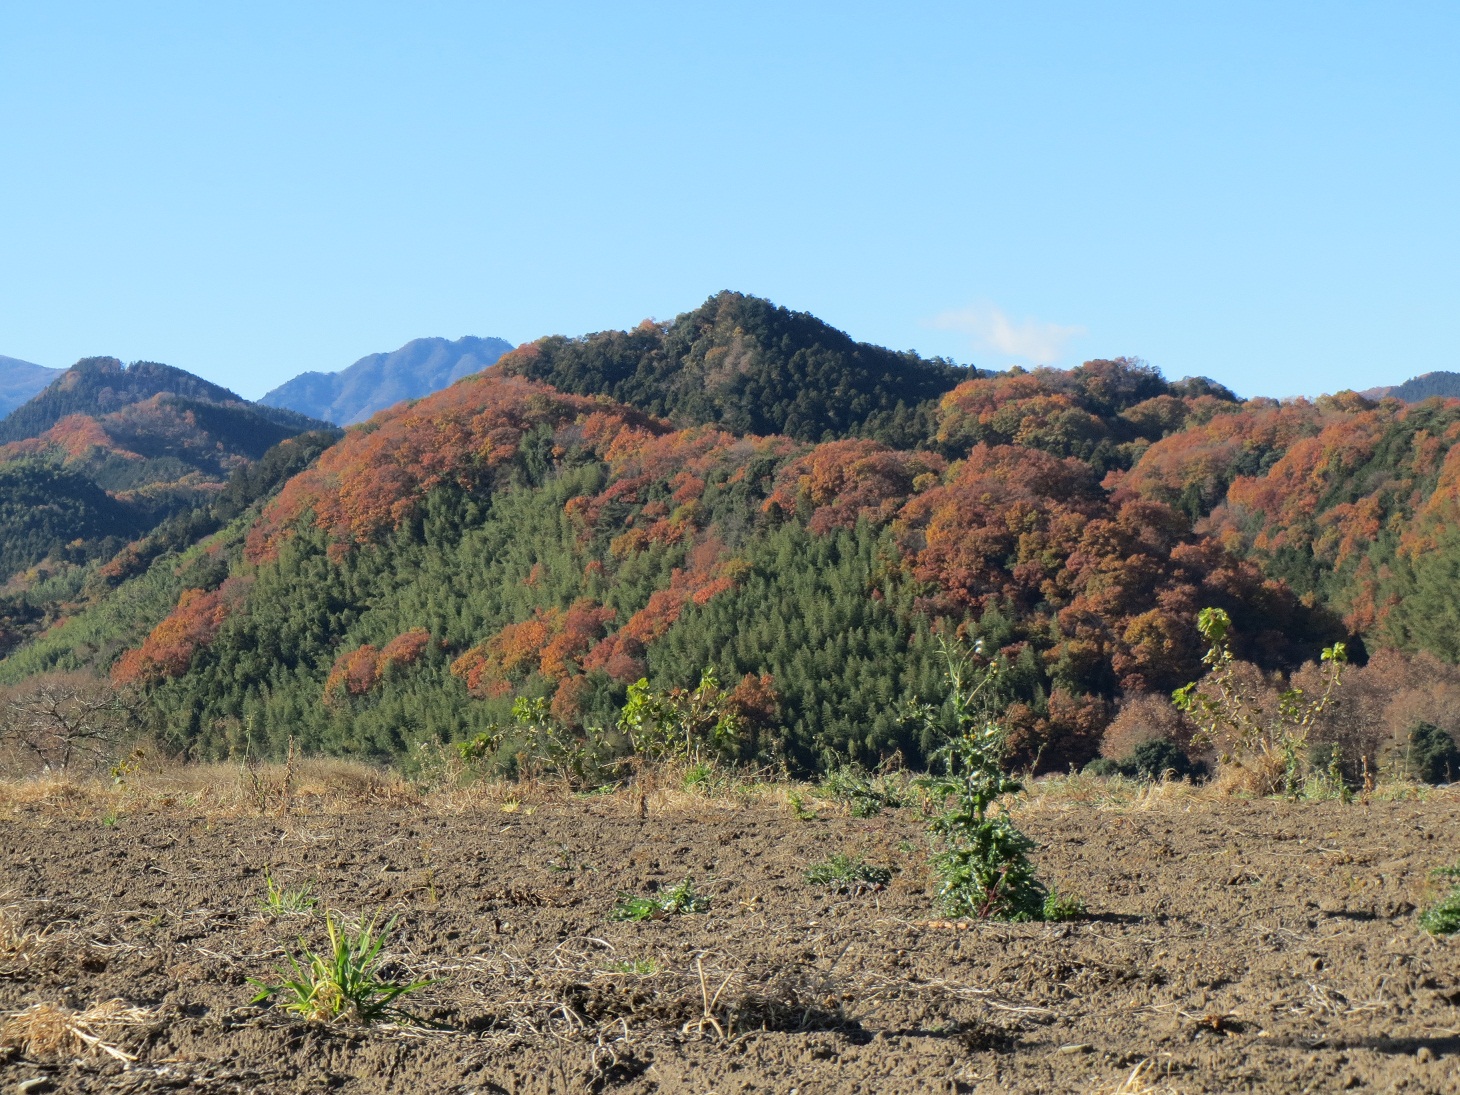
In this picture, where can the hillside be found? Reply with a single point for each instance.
(418, 368)
(501, 538)
(1427, 386)
(20, 380)
(104, 455)
(505, 539)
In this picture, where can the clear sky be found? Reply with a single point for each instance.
(1265, 193)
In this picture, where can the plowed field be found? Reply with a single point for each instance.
(1232, 947)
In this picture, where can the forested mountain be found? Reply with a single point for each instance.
(19, 380)
(103, 455)
(746, 365)
(418, 368)
(506, 537)
(503, 538)
(1427, 386)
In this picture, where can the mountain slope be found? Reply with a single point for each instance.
(418, 368)
(745, 364)
(20, 380)
(1427, 386)
(122, 448)
(501, 539)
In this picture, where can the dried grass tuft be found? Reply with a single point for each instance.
(1139, 1082)
(52, 1031)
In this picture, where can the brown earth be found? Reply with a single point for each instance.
(1261, 946)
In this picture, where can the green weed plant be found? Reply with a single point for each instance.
(844, 874)
(981, 857)
(679, 900)
(341, 983)
(281, 901)
(1443, 917)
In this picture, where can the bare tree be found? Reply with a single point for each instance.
(57, 721)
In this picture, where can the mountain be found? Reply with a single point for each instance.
(504, 539)
(106, 453)
(19, 380)
(1427, 386)
(748, 490)
(373, 383)
(745, 364)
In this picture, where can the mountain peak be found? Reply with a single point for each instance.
(377, 381)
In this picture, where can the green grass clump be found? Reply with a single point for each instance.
(847, 875)
(342, 982)
(1443, 917)
(1058, 906)
(676, 901)
(279, 901)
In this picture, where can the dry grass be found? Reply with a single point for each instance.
(324, 785)
(51, 1031)
(1141, 1081)
(313, 785)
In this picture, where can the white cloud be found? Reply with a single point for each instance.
(1029, 339)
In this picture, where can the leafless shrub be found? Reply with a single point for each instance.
(59, 721)
(1371, 716)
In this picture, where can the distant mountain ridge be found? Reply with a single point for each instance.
(420, 367)
(20, 380)
(106, 452)
(99, 386)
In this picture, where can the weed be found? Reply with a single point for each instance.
(863, 795)
(797, 802)
(109, 818)
(1058, 906)
(639, 967)
(1230, 717)
(279, 901)
(675, 901)
(343, 982)
(846, 875)
(536, 744)
(1443, 917)
(983, 858)
(682, 723)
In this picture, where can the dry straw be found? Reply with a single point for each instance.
(52, 1031)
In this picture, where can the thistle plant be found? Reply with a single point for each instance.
(981, 856)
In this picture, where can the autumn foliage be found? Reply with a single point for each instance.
(169, 649)
(358, 671)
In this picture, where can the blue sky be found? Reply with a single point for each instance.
(1261, 193)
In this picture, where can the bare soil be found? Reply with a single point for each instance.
(1234, 947)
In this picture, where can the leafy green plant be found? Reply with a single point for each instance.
(679, 900)
(342, 982)
(692, 724)
(863, 794)
(982, 858)
(1443, 917)
(535, 743)
(280, 901)
(797, 801)
(1229, 715)
(1058, 906)
(846, 875)
(639, 967)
